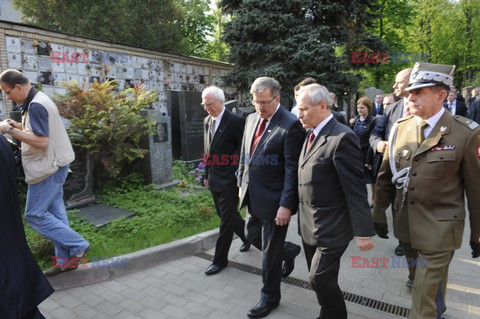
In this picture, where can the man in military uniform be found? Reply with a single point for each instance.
(433, 158)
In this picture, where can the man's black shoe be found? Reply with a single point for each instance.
(213, 269)
(399, 251)
(245, 247)
(262, 309)
(289, 264)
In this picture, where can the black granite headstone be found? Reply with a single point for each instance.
(187, 124)
(78, 189)
(100, 215)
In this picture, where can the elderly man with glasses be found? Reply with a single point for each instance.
(271, 146)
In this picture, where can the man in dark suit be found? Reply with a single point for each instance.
(23, 286)
(378, 107)
(223, 133)
(379, 136)
(268, 178)
(454, 106)
(474, 111)
(333, 198)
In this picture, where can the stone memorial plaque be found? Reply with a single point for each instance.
(13, 44)
(28, 47)
(100, 215)
(29, 62)
(78, 189)
(60, 90)
(121, 84)
(57, 47)
(130, 73)
(153, 76)
(58, 67)
(48, 90)
(137, 73)
(32, 76)
(206, 70)
(112, 72)
(14, 60)
(60, 78)
(144, 74)
(71, 67)
(187, 124)
(137, 62)
(176, 67)
(82, 68)
(44, 64)
(189, 69)
(95, 71)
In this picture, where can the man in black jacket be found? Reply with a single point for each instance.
(223, 133)
(23, 286)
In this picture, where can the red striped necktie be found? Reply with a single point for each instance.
(258, 135)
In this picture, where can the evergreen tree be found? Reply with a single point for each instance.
(292, 39)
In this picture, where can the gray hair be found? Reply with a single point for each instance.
(316, 94)
(13, 77)
(263, 83)
(216, 91)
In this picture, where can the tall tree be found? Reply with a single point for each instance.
(165, 25)
(290, 40)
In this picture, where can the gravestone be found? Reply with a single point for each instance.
(156, 166)
(100, 215)
(187, 124)
(372, 92)
(78, 189)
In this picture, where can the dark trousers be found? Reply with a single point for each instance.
(266, 236)
(230, 222)
(323, 265)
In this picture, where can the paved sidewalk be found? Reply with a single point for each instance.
(179, 289)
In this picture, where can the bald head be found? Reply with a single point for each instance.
(401, 82)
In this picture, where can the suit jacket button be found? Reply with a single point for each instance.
(412, 202)
(414, 174)
(412, 188)
(416, 159)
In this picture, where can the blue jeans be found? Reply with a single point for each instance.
(45, 212)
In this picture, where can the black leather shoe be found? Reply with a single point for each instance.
(213, 269)
(245, 247)
(409, 283)
(289, 264)
(399, 251)
(262, 309)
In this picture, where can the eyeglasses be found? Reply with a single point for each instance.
(8, 93)
(263, 103)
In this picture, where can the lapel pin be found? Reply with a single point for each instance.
(269, 131)
(443, 129)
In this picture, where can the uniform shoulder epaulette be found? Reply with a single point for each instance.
(471, 124)
(406, 118)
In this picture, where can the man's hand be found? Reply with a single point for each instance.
(382, 146)
(205, 183)
(475, 249)
(364, 243)
(381, 230)
(4, 126)
(283, 216)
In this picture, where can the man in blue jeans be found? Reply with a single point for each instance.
(46, 154)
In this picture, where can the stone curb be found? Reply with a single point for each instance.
(142, 259)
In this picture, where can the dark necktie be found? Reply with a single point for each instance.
(258, 135)
(421, 132)
(311, 138)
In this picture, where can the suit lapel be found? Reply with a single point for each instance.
(319, 141)
(441, 128)
(272, 126)
(221, 129)
(250, 131)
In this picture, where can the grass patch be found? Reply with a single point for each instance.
(162, 216)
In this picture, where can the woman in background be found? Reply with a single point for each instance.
(363, 124)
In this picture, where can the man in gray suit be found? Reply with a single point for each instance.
(379, 136)
(268, 186)
(333, 198)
